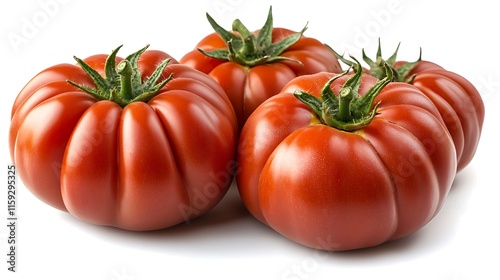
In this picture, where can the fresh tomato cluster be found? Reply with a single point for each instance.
(331, 158)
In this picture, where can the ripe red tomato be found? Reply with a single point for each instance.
(456, 98)
(253, 66)
(142, 149)
(363, 163)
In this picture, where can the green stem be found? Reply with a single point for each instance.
(123, 83)
(124, 69)
(377, 66)
(248, 39)
(248, 49)
(347, 110)
(345, 99)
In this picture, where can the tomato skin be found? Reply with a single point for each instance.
(41, 141)
(200, 61)
(248, 87)
(145, 166)
(334, 190)
(58, 72)
(458, 101)
(89, 186)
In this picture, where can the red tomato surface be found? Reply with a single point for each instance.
(459, 102)
(336, 190)
(143, 166)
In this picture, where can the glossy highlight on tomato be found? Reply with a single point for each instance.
(342, 162)
(139, 143)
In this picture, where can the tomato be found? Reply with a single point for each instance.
(456, 98)
(140, 143)
(253, 66)
(341, 162)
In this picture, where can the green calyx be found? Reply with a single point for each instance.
(377, 66)
(250, 50)
(122, 83)
(347, 110)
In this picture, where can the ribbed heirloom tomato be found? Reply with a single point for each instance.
(253, 66)
(140, 143)
(346, 161)
(456, 98)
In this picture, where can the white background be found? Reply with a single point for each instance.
(460, 243)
